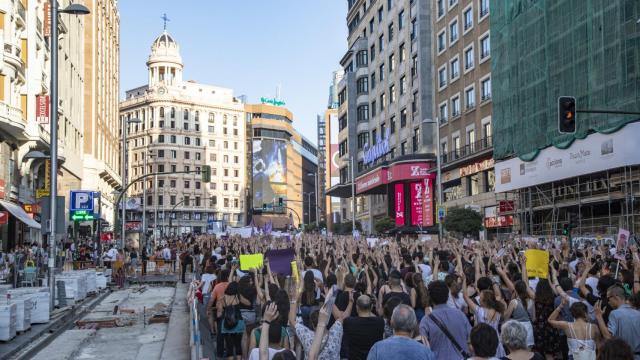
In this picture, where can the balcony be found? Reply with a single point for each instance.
(22, 17)
(12, 121)
(12, 54)
(467, 150)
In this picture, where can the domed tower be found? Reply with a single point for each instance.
(165, 63)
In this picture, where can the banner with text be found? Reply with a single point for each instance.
(399, 204)
(417, 200)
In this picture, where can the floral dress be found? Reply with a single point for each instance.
(547, 338)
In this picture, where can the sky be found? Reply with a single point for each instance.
(250, 46)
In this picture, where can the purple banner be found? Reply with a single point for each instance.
(280, 260)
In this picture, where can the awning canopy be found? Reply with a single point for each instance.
(340, 191)
(19, 213)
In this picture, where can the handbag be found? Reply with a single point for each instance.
(459, 349)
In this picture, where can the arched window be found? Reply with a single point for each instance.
(197, 116)
(186, 114)
(173, 113)
(162, 112)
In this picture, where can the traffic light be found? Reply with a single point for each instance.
(567, 114)
(280, 202)
(566, 229)
(206, 173)
(264, 207)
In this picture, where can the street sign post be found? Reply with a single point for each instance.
(81, 207)
(442, 213)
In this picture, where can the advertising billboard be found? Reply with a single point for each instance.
(416, 203)
(399, 204)
(269, 163)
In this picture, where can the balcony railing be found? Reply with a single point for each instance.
(21, 10)
(467, 150)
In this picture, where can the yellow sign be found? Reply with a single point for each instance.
(294, 270)
(253, 261)
(40, 193)
(537, 263)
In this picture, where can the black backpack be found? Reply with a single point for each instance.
(230, 316)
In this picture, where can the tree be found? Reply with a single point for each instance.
(347, 227)
(384, 224)
(463, 221)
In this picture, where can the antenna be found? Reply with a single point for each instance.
(277, 92)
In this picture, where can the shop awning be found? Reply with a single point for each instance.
(19, 213)
(340, 191)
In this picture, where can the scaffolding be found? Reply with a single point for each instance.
(597, 205)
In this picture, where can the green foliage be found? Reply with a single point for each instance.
(346, 228)
(463, 221)
(384, 224)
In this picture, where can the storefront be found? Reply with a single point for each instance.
(408, 188)
(16, 226)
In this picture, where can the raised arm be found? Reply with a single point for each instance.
(525, 278)
(270, 314)
(465, 293)
(562, 325)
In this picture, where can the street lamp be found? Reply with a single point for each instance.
(72, 9)
(315, 186)
(309, 206)
(439, 170)
(125, 122)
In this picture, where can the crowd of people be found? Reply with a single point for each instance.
(408, 299)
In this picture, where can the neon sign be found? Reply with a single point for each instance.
(272, 101)
(380, 149)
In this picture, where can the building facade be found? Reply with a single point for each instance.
(384, 114)
(587, 180)
(101, 147)
(463, 107)
(183, 126)
(283, 166)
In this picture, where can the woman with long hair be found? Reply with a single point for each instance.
(231, 333)
(581, 334)
(419, 296)
(520, 308)
(309, 297)
(489, 311)
(546, 337)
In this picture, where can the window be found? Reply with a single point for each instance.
(383, 101)
(468, 58)
(225, 187)
(362, 85)
(381, 43)
(389, 4)
(172, 200)
(161, 112)
(187, 155)
(486, 89)
(383, 128)
(363, 139)
(225, 159)
(486, 129)
(392, 62)
(212, 143)
(187, 168)
(342, 148)
(160, 200)
(455, 106)
(471, 138)
(174, 168)
(173, 139)
(161, 139)
(236, 187)
(484, 8)
(161, 168)
(187, 140)
(390, 32)
(342, 96)
(236, 173)
(186, 184)
(374, 137)
(414, 29)
(226, 202)
(403, 85)
(372, 52)
(213, 201)
(224, 131)
(226, 144)
(160, 153)
(198, 185)
(401, 20)
(172, 183)
(380, 12)
(485, 47)
(456, 145)
(373, 80)
(226, 172)
(468, 18)
(173, 113)
(403, 148)
(381, 72)
(235, 145)
(236, 159)
(442, 76)
(235, 132)
(371, 26)
(212, 129)
(362, 58)
(442, 41)
(453, 32)
(403, 118)
(160, 183)
(363, 113)
(470, 97)
(455, 68)
(342, 122)
(443, 113)
(174, 154)
(374, 108)
(392, 125)
(415, 140)
(414, 66)
(440, 8)
(185, 126)
(392, 94)
(402, 52)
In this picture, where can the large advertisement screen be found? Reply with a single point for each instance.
(269, 162)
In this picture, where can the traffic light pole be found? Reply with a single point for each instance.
(124, 191)
(608, 112)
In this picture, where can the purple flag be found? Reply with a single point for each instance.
(280, 260)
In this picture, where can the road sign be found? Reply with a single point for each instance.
(442, 213)
(81, 200)
(4, 217)
(82, 215)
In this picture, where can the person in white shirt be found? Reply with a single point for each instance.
(308, 266)
(166, 253)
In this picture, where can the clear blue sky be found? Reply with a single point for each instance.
(250, 46)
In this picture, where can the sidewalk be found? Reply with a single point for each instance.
(176, 343)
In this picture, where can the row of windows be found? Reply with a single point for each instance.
(142, 115)
(470, 138)
(450, 71)
(197, 202)
(484, 41)
(225, 158)
(483, 8)
(225, 144)
(469, 97)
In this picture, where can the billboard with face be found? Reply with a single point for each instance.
(269, 162)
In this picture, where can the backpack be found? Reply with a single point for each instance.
(230, 316)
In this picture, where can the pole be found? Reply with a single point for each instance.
(317, 196)
(155, 216)
(123, 219)
(439, 175)
(144, 203)
(353, 196)
(99, 244)
(309, 208)
(53, 143)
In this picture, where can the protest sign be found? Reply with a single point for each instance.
(252, 261)
(372, 241)
(280, 260)
(294, 270)
(537, 263)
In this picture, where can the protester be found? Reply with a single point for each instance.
(483, 342)
(514, 338)
(581, 334)
(363, 330)
(624, 320)
(401, 345)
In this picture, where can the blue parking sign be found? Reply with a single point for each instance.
(81, 200)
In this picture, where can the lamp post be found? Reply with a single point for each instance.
(315, 186)
(353, 195)
(72, 9)
(439, 170)
(125, 122)
(309, 206)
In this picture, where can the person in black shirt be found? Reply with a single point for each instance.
(362, 331)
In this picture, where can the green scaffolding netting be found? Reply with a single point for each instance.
(543, 49)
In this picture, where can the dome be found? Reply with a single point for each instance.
(165, 49)
(163, 40)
